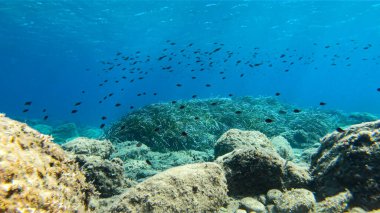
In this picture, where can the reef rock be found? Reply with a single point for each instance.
(283, 147)
(37, 175)
(251, 204)
(350, 160)
(296, 201)
(106, 175)
(190, 188)
(335, 204)
(256, 170)
(87, 146)
(235, 138)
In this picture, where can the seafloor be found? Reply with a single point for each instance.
(212, 155)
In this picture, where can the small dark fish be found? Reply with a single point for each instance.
(178, 85)
(196, 118)
(268, 120)
(102, 126)
(104, 118)
(28, 103)
(214, 104)
(46, 117)
(83, 91)
(378, 89)
(194, 96)
(139, 144)
(193, 77)
(322, 103)
(182, 107)
(282, 112)
(117, 104)
(131, 107)
(157, 129)
(25, 110)
(155, 93)
(74, 111)
(77, 103)
(278, 94)
(340, 130)
(208, 85)
(148, 162)
(230, 95)
(238, 112)
(296, 110)
(184, 134)
(174, 102)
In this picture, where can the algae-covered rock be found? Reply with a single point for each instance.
(273, 195)
(87, 146)
(235, 138)
(190, 188)
(106, 175)
(256, 170)
(161, 126)
(37, 175)
(296, 201)
(335, 204)
(350, 160)
(251, 204)
(283, 147)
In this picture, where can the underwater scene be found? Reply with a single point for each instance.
(189, 106)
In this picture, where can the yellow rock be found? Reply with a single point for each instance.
(36, 175)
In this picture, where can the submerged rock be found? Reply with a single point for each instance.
(235, 138)
(93, 157)
(251, 204)
(335, 204)
(37, 175)
(350, 160)
(106, 175)
(87, 146)
(296, 201)
(283, 147)
(256, 170)
(190, 188)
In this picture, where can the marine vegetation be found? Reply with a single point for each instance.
(197, 124)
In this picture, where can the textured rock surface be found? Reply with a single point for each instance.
(350, 160)
(296, 201)
(251, 204)
(106, 175)
(283, 147)
(36, 174)
(335, 204)
(87, 146)
(190, 188)
(247, 172)
(93, 157)
(234, 139)
(273, 195)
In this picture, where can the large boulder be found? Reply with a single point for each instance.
(235, 138)
(257, 170)
(190, 188)
(37, 175)
(350, 159)
(87, 146)
(93, 158)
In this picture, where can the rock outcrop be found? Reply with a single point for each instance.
(190, 188)
(350, 160)
(37, 175)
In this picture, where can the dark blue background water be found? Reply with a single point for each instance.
(52, 50)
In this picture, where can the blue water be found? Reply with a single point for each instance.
(52, 50)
